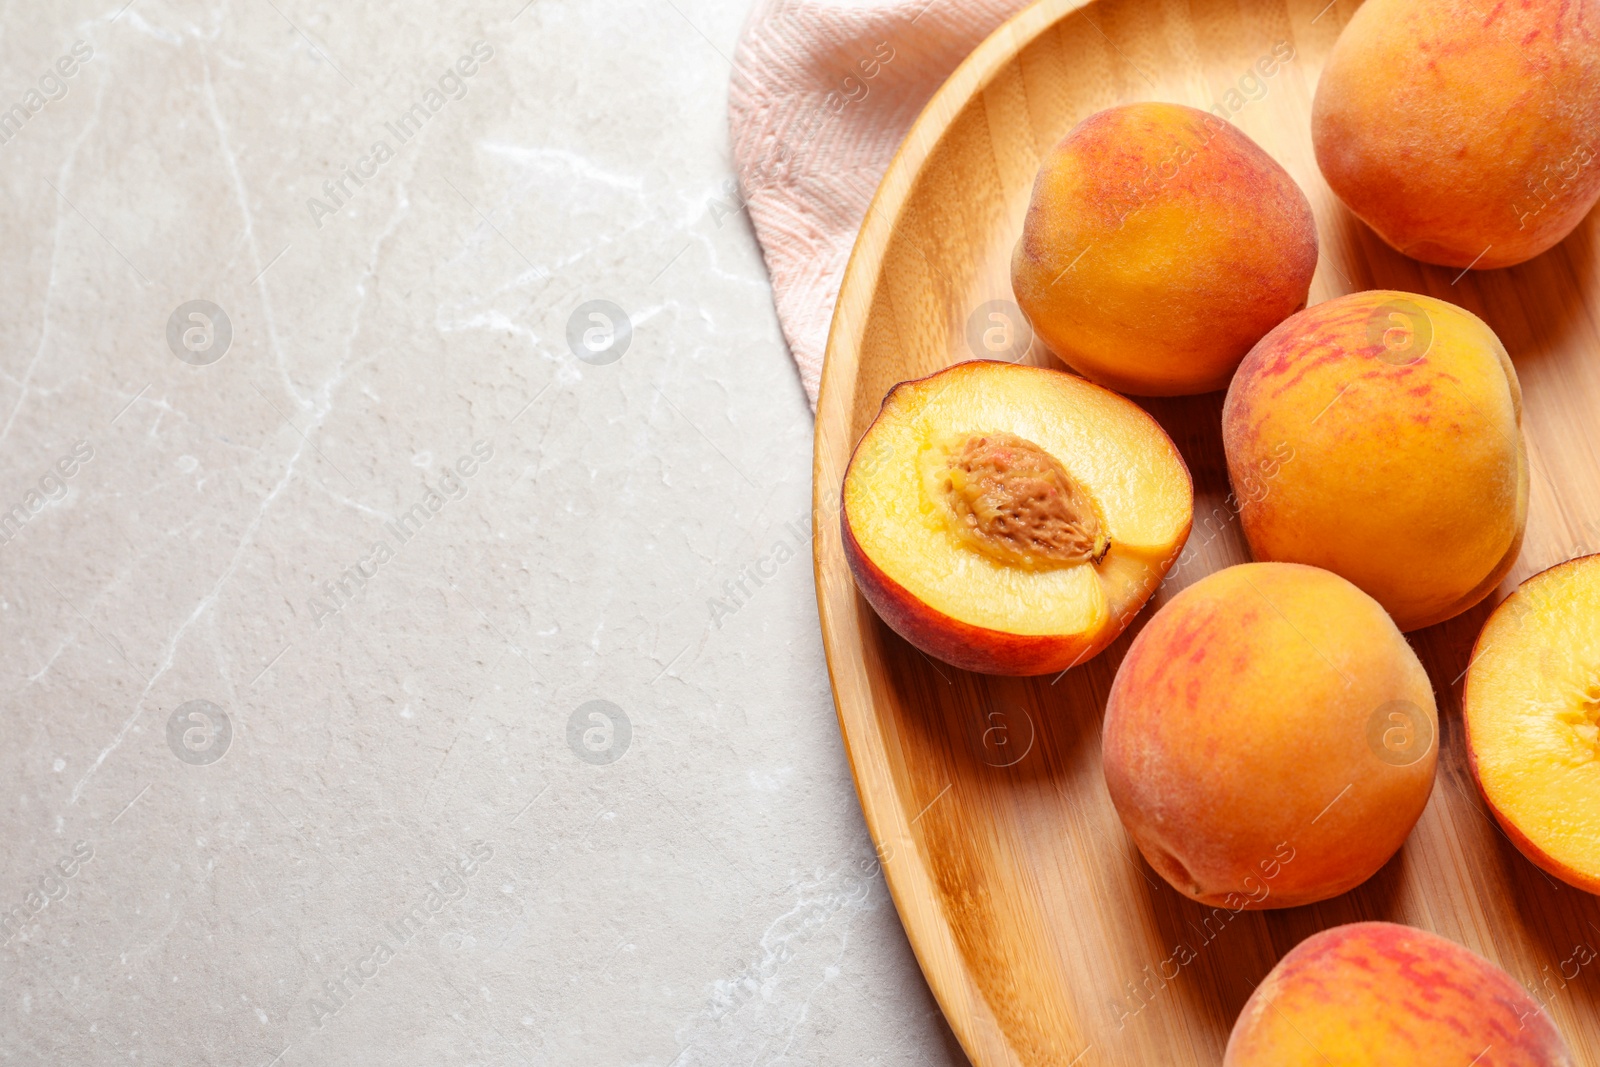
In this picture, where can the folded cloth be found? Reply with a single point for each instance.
(823, 92)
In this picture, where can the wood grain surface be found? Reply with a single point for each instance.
(1045, 937)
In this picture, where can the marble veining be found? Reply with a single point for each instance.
(410, 674)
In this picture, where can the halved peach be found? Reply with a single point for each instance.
(1011, 519)
(1532, 709)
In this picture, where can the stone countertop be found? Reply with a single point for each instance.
(382, 682)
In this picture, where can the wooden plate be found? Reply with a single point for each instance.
(1041, 931)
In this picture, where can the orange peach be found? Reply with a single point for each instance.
(1408, 474)
(1375, 994)
(1464, 134)
(1269, 738)
(1011, 519)
(1160, 244)
(1532, 710)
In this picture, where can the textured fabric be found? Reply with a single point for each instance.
(822, 95)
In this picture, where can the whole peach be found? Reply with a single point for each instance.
(1465, 134)
(1401, 420)
(1269, 738)
(1160, 244)
(1376, 994)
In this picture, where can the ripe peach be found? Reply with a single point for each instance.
(1532, 710)
(1464, 136)
(1409, 476)
(1160, 244)
(1269, 737)
(1371, 994)
(1011, 519)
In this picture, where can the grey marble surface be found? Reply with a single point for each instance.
(319, 544)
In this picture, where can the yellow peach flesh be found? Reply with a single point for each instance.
(1113, 454)
(1532, 710)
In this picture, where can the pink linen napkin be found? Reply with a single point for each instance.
(823, 93)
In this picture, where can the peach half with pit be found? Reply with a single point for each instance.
(1532, 711)
(1012, 519)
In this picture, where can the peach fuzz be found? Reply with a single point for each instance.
(1011, 519)
(1532, 712)
(1159, 245)
(1408, 474)
(1373, 994)
(1243, 739)
(1464, 134)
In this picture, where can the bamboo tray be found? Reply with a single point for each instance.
(1041, 931)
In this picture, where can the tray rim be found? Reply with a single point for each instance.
(910, 886)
